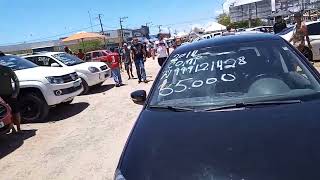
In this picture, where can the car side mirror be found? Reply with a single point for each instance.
(139, 97)
(55, 65)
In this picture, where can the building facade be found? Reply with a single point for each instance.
(263, 9)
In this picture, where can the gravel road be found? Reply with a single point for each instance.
(83, 140)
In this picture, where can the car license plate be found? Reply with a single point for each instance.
(1, 124)
(76, 84)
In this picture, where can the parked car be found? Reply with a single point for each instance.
(42, 87)
(314, 35)
(234, 107)
(5, 117)
(91, 73)
(264, 29)
(101, 56)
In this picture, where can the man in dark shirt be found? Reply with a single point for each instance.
(139, 54)
(10, 94)
(280, 25)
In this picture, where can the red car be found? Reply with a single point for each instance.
(101, 56)
(5, 117)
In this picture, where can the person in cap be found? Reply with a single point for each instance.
(126, 58)
(300, 36)
(139, 55)
(9, 93)
(280, 25)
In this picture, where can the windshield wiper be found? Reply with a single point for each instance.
(253, 104)
(172, 108)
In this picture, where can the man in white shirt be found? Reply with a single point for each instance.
(163, 51)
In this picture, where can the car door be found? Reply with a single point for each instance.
(96, 56)
(314, 36)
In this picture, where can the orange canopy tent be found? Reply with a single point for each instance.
(84, 36)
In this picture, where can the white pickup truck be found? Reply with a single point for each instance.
(42, 87)
(91, 73)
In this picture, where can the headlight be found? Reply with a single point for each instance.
(93, 69)
(118, 175)
(55, 80)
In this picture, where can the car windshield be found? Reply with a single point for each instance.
(16, 63)
(236, 73)
(286, 31)
(68, 59)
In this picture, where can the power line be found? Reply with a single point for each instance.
(50, 37)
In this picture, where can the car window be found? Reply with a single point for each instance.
(95, 54)
(238, 73)
(42, 60)
(314, 29)
(16, 63)
(68, 59)
(88, 56)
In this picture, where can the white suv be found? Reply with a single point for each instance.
(42, 87)
(314, 35)
(91, 73)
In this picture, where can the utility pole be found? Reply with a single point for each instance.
(99, 16)
(121, 29)
(90, 21)
(102, 31)
(159, 26)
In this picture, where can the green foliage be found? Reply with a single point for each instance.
(225, 20)
(87, 46)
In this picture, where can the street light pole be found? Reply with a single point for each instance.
(121, 29)
(90, 21)
(104, 39)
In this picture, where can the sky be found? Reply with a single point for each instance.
(39, 20)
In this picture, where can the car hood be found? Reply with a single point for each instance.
(39, 73)
(278, 142)
(86, 65)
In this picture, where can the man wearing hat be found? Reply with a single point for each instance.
(280, 25)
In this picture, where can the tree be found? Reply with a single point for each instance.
(224, 19)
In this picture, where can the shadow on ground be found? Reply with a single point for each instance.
(99, 89)
(62, 112)
(11, 142)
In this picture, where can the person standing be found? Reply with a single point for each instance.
(10, 94)
(81, 55)
(67, 50)
(300, 36)
(229, 32)
(114, 63)
(280, 25)
(126, 57)
(162, 50)
(139, 55)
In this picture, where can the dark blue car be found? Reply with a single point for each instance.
(242, 107)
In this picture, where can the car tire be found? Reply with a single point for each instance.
(85, 87)
(33, 108)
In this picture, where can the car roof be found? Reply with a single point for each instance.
(312, 22)
(249, 29)
(226, 40)
(43, 54)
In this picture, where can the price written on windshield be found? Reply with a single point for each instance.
(191, 83)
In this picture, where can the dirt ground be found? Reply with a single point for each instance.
(83, 140)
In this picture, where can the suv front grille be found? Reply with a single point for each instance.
(3, 111)
(104, 67)
(70, 77)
